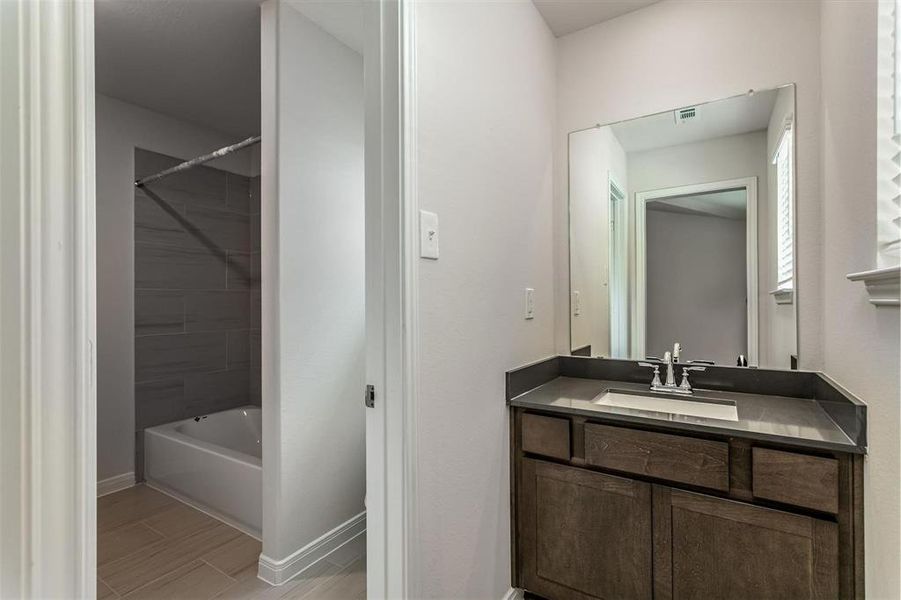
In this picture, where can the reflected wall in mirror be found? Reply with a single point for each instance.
(682, 230)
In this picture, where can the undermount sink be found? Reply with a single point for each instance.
(692, 407)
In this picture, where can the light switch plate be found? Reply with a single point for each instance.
(529, 304)
(577, 303)
(428, 235)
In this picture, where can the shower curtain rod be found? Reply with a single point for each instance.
(188, 164)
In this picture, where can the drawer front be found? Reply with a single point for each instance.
(807, 481)
(547, 436)
(676, 458)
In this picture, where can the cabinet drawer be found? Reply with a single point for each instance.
(807, 481)
(548, 436)
(688, 460)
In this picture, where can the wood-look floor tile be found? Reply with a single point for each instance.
(180, 520)
(237, 555)
(194, 581)
(151, 562)
(130, 506)
(350, 584)
(122, 541)
(319, 577)
(105, 592)
(250, 587)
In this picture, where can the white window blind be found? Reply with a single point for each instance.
(785, 270)
(888, 142)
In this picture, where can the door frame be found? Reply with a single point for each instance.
(392, 319)
(620, 210)
(639, 314)
(47, 300)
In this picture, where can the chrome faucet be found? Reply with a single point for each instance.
(669, 360)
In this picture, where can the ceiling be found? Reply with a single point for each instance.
(567, 16)
(199, 60)
(727, 204)
(196, 60)
(732, 116)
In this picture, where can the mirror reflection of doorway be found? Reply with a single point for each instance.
(697, 277)
(619, 271)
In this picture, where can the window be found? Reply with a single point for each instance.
(785, 270)
(888, 128)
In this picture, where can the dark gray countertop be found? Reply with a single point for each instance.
(789, 420)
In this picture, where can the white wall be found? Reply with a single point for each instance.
(595, 156)
(484, 141)
(312, 281)
(860, 341)
(674, 54)
(120, 128)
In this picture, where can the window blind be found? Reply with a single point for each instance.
(785, 272)
(888, 134)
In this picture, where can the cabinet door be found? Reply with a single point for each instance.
(584, 534)
(710, 548)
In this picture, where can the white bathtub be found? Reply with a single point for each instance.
(213, 463)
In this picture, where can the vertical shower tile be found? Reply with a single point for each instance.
(197, 294)
(211, 392)
(214, 310)
(238, 194)
(225, 229)
(238, 350)
(159, 312)
(166, 356)
(158, 220)
(171, 268)
(158, 402)
(240, 274)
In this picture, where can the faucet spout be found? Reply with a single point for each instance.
(670, 376)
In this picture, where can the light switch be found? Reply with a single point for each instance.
(428, 235)
(530, 304)
(577, 304)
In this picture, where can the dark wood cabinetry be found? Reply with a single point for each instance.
(628, 513)
(713, 548)
(584, 534)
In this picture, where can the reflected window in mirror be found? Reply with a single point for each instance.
(784, 214)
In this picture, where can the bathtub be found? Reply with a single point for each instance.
(213, 463)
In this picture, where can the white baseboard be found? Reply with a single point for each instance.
(513, 594)
(115, 484)
(277, 572)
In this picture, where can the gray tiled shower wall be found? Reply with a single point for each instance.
(197, 294)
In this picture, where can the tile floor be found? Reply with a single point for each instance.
(151, 546)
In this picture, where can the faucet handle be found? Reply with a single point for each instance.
(685, 385)
(656, 381)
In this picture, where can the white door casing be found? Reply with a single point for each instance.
(47, 300)
(391, 296)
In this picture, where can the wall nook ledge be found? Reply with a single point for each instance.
(883, 285)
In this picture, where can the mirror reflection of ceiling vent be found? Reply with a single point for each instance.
(684, 115)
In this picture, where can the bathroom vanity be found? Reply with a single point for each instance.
(617, 502)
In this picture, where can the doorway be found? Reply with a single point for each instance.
(672, 227)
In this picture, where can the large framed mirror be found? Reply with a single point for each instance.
(682, 229)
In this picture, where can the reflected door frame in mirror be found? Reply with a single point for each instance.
(639, 315)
